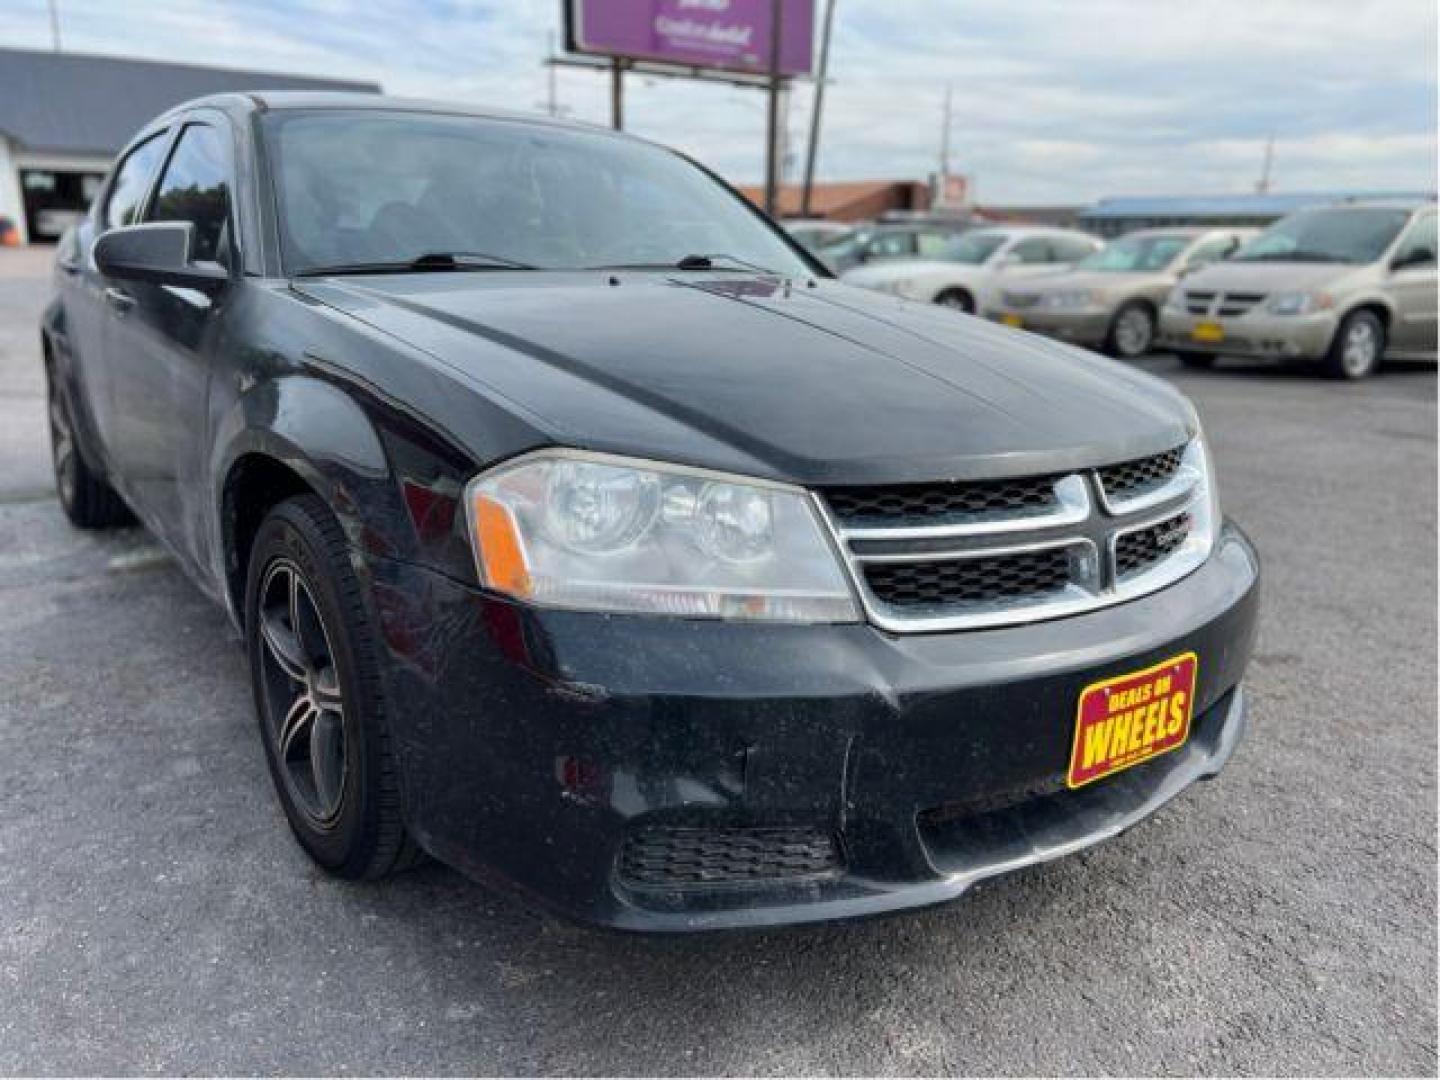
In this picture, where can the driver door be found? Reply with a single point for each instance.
(1412, 285)
(161, 340)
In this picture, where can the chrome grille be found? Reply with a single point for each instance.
(941, 582)
(1226, 305)
(964, 555)
(933, 503)
(1142, 548)
(1131, 478)
(1019, 300)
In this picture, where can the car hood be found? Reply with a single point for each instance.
(1265, 277)
(809, 382)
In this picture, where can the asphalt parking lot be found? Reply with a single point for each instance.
(156, 916)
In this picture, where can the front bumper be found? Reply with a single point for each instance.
(1284, 337)
(536, 745)
(1086, 327)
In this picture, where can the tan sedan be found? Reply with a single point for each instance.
(1112, 299)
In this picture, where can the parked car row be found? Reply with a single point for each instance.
(1341, 286)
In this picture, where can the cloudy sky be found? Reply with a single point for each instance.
(1055, 100)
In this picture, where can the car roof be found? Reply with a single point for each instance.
(312, 100)
(1376, 204)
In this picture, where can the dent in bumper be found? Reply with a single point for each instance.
(1253, 334)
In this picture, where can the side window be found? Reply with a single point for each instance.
(892, 245)
(1418, 247)
(1070, 249)
(131, 181)
(195, 187)
(1212, 250)
(932, 245)
(1034, 250)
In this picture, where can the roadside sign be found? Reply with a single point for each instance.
(728, 35)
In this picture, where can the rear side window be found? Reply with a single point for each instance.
(131, 181)
(1032, 251)
(195, 187)
(933, 245)
(1071, 248)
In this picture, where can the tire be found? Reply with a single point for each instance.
(1196, 360)
(1132, 331)
(318, 695)
(88, 501)
(958, 299)
(1357, 347)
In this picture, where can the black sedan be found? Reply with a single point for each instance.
(584, 533)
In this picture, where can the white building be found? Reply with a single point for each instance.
(64, 116)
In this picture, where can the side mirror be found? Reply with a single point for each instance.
(157, 252)
(1418, 257)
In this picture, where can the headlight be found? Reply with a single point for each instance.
(592, 532)
(1175, 298)
(1299, 303)
(1071, 299)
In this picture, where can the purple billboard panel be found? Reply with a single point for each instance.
(733, 35)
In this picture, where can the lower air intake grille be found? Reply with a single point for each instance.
(903, 504)
(967, 581)
(674, 857)
(1132, 478)
(1138, 550)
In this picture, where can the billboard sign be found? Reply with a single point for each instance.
(731, 35)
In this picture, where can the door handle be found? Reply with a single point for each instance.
(119, 299)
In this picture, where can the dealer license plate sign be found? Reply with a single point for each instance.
(1010, 319)
(1212, 332)
(1123, 721)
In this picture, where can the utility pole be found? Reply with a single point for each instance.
(617, 94)
(945, 137)
(552, 102)
(772, 124)
(55, 23)
(819, 104)
(1263, 187)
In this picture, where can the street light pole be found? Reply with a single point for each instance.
(815, 112)
(772, 126)
(55, 23)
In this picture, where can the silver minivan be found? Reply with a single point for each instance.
(1342, 286)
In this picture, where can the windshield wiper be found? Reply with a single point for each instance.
(693, 262)
(431, 261)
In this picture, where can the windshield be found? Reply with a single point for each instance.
(361, 187)
(1136, 254)
(1341, 234)
(973, 248)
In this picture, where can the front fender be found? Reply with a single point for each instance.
(394, 493)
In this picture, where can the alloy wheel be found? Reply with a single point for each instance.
(62, 445)
(1360, 349)
(1133, 332)
(304, 706)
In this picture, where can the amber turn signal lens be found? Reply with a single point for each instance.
(502, 557)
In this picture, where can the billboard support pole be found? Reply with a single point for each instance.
(617, 94)
(772, 124)
(815, 112)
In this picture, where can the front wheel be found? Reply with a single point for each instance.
(958, 299)
(315, 676)
(1359, 343)
(1131, 333)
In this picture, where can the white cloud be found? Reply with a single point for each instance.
(1055, 100)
